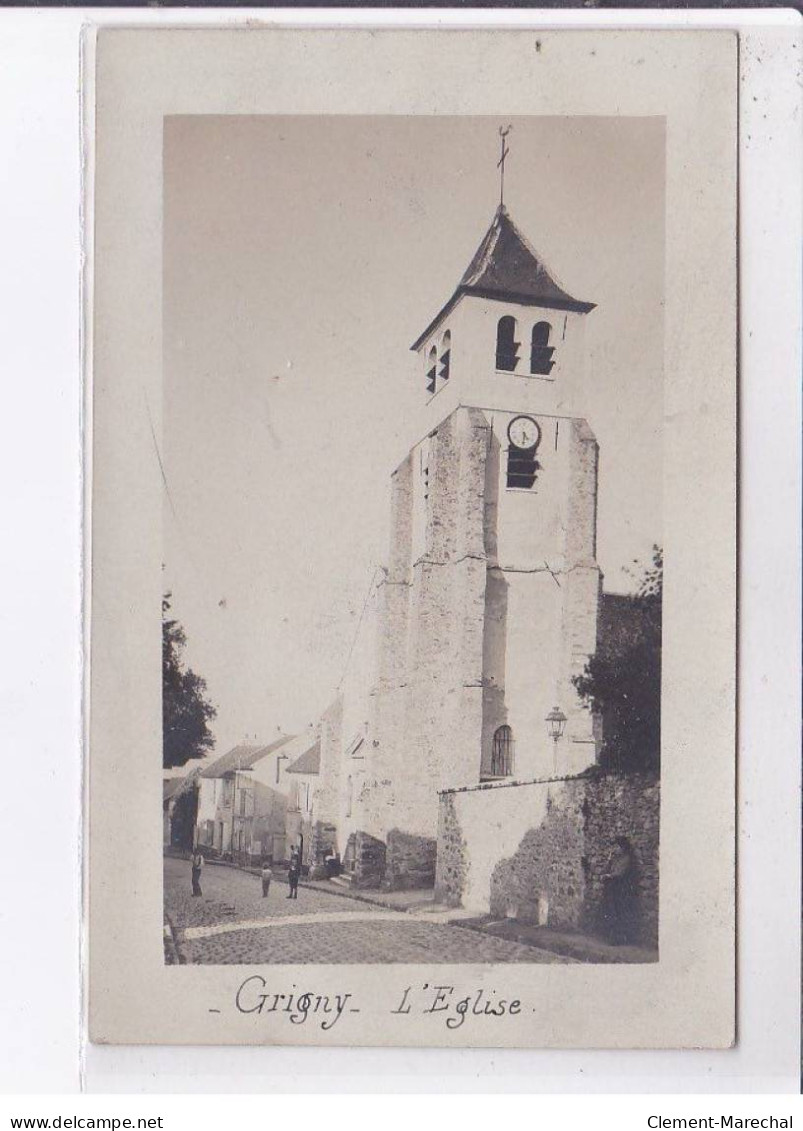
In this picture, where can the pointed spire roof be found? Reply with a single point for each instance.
(506, 267)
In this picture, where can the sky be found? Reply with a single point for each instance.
(302, 257)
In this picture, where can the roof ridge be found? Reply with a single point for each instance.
(312, 754)
(227, 761)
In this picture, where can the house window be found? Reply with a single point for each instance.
(502, 753)
(242, 802)
(507, 348)
(446, 355)
(432, 370)
(540, 349)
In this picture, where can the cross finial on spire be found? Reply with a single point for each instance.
(500, 164)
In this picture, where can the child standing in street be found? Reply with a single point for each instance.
(267, 876)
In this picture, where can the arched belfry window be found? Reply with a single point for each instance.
(502, 752)
(432, 369)
(540, 349)
(507, 348)
(446, 356)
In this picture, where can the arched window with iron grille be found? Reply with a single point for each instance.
(502, 752)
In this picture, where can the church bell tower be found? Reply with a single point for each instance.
(489, 606)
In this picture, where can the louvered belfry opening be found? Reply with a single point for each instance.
(540, 350)
(432, 370)
(446, 356)
(507, 348)
(522, 467)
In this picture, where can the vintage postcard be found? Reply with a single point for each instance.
(412, 558)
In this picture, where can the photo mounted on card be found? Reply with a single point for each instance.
(412, 558)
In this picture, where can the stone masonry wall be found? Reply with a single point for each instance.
(582, 587)
(427, 706)
(554, 876)
(630, 807)
(409, 861)
(369, 861)
(544, 881)
(452, 863)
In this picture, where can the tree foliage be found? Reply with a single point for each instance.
(622, 682)
(185, 815)
(186, 711)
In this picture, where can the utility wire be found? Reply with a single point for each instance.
(359, 626)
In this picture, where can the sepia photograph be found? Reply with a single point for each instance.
(412, 458)
(404, 390)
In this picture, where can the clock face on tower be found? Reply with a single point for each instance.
(523, 433)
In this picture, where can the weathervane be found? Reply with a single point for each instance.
(500, 164)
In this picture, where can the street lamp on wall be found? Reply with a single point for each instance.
(556, 725)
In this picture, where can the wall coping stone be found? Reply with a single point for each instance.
(510, 784)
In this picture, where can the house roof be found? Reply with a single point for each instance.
(309, 762)
(175, 787)
(242, 757)
(505, 266)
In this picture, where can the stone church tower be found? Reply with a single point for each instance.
(489, 605)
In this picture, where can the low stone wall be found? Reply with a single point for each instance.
(629, 807)
(369, 861)
(451, 871)
(409, 861)
(478, 827)
(539, 851)
(543, 881)
(403, 863)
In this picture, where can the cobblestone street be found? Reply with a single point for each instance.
(232, 923)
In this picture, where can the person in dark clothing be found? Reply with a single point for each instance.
(197, 866)
(618, 913)
(293, 874)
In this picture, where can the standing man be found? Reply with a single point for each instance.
(267, 876)
(197, 866)
(293, 874)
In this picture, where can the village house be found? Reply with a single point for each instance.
(303, 774)
(250, 806)
(241, 815)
